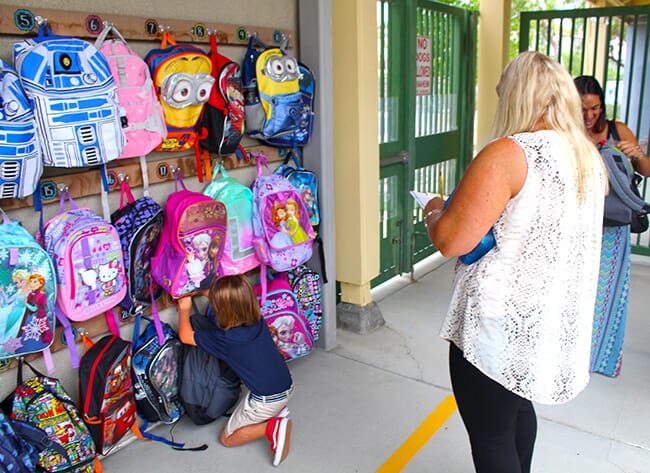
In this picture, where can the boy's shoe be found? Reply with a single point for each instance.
(278, 431)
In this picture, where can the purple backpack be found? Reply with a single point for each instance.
(281, 311)
(191, 242)
(138, 224)
(282, 232)
(89, 266)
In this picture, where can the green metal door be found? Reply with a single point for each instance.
(612, 44)
(427, 64)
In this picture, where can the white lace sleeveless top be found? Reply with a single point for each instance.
(523, 313)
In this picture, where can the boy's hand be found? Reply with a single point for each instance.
(184, 305)
(185, 332)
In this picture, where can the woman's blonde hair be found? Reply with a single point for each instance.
(534, 89)
(234, 302)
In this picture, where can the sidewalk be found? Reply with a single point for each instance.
(356, 405)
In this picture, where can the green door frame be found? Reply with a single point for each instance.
(433, 161)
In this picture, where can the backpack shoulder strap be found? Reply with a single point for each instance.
(613, 131)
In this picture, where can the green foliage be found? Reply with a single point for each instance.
(517, 6)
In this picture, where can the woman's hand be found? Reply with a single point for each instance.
(631, 149)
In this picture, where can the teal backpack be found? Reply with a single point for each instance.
(239, 254)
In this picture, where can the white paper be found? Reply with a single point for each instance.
(422, 198)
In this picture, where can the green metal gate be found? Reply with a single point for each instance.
(613, 45)
(427, 64)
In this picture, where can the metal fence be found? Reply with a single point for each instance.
(613, 45)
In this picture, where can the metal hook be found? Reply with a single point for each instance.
(164, 28)
(285, 41)
(40, 20)
(123, 177)
(107, 24)
(62, 187)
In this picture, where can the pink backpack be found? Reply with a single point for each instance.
(145, 123)
(89, 266)
(191, 242)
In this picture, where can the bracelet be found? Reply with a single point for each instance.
(429, 214)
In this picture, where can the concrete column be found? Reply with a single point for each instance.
(493, 55)
(356, 160)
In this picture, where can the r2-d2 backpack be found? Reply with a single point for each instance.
(74, 98)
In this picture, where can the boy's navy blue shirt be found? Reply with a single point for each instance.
(251, 353)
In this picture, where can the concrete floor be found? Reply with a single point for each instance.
(356, 405)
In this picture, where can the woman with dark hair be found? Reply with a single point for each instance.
(610, 313)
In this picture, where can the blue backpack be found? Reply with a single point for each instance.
(21, 164)
(74, 98)
(17, 455)
(301, 135)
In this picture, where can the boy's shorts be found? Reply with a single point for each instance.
(253, 409)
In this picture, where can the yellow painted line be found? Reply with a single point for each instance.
(422, 434)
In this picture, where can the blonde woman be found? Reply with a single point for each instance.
(519, 320)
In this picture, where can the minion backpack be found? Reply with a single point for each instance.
(272, 100)
(181, 76)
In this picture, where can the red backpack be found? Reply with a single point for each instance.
(106, 395)
(221, 125)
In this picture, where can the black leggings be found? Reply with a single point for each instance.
(501, 425)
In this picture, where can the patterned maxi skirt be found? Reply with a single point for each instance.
(610, 314)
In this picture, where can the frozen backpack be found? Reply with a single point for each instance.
(21, 163)
(144, 123)
(74, 98)
(138, 223)
(43, 402)
(181, 77)
(27, 294)
(306, 285)
(191, 242)
(281, 311)
(222, 121)
(239, 254)
(106, 396)
(89, 263)
(283, 235)
(273, 104)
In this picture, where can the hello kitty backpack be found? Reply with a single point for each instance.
(89, 266)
